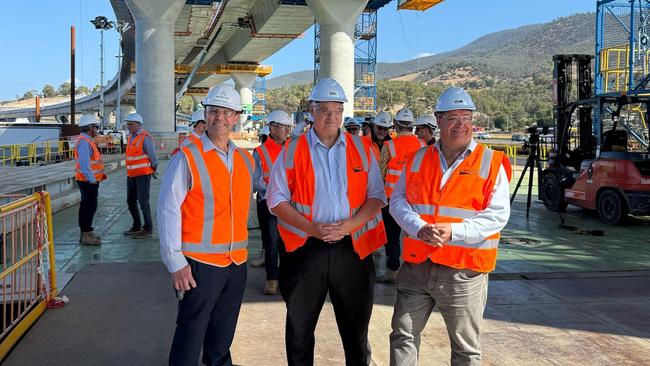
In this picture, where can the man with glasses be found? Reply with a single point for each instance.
(327, 193)
(391, 162)
(203, 214)
(452, 199)
(425, 126)
(351, 125)
(89, 171)
(198, 127)
(279, 125)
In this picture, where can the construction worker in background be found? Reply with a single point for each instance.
(141, 164)
(381, 125)
(89, 171)
(303, 125)
(425, 125)
(264, 134)
(366, 126)
(198, 127)
(393, 157)
(202, 215)
(351, 125)
(279, 124)
(327, 193)
(452, 200)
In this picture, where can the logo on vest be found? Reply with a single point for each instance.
(357, 169)
(467, 172)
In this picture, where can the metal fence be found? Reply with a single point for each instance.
(28, 277)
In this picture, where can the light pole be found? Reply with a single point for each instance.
(102, 23)
(122, 27)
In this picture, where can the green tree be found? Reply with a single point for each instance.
(64, 89)
(29, 94)
(48, 91)
(186, 105)
(96, 88)
(83, 90)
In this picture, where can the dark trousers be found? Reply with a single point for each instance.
(137, 191)
(306, 276)
(208, 314)
(393, 231)
(271, 241)
(88, 205)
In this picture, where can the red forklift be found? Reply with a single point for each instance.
(600, 156)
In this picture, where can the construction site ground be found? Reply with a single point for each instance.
(555, 298)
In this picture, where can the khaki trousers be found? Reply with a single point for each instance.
(460, 296)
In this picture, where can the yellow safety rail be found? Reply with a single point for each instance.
(614, 67)
(417, 4)
(28, 276)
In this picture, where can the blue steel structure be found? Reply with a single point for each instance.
(622, 47)
(259, 99)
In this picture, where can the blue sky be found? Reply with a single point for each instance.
(35, 36)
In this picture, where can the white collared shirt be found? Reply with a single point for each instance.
(472, 230)
(330, 169)
(174, 188)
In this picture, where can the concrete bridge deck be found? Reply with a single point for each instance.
(555, 298)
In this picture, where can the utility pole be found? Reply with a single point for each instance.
(122, 27)
(101, 23)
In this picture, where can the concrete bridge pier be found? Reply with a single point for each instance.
(337, 19)
(244, 82)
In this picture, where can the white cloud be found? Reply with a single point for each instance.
(424, 54)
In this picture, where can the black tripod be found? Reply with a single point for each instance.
(531, 162)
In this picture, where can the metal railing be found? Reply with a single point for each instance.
(28, 277)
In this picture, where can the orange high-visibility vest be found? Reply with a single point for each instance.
(373, 147)
(96, 162)
(192, 137)
(268, 152)
(137, 162)
(399, 148)
(214, 214)
(302, 184)
(467, 192)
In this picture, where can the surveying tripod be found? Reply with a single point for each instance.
(532, 162)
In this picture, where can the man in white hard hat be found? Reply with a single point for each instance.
(141, 164)
(393, 157)
(352, 125)
(425, 125)
(327, 193)
(279, 124)
(452, 200)
(89, 171)
(303, 125)
(202, 215)
(264, 134)
(198, 127)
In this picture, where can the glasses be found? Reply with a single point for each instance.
(352, 129)
(381, 128)
(329, 112)
(454, 119)
(215, 111)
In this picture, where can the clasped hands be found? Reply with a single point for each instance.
(435, 234)
(330, 232)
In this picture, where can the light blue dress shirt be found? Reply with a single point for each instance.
(330, 168)
(84, 152)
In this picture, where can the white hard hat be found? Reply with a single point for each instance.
(405, 116)
(426, 120)
(88, 119)
(328, 90)
(280, 117)
(265, 130)
(453, 99)
(133, 117)
(223, 95)
(351, 121)
(198, 115)
(383, 119)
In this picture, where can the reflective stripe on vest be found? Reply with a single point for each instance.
(268, 152)
(399, 148)
(452, 203)
(137, 162)
(205, 247)
(96, 163)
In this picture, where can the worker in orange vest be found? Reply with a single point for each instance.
(89, 171)
(452, 200)
(391, 162)
(141, 164)
(203, 211)
(327, 193)
(279, 125)
(198, 127)
(425, 126)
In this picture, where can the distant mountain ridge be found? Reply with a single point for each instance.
(517, 53)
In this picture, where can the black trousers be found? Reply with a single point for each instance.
(137, 191)
(88, 205)
(393, 231)
(207, 315)
(271, 241)
(306, 276)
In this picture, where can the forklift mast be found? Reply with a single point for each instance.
(572, 84)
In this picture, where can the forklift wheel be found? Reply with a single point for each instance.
(612, 208)
(553, 192)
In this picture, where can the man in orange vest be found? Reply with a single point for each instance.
(202, 215)
(279, 124)
(141, 163)
(452, 200)
(89, 171)
(198, 127)
(393, 157)
(327, 193)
